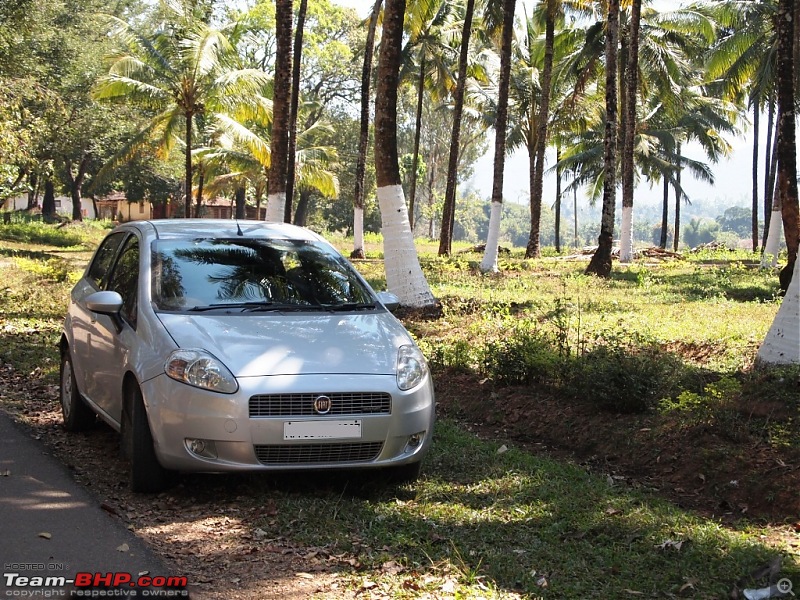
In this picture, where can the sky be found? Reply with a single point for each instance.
(733, 175)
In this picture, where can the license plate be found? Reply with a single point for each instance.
(321, 430)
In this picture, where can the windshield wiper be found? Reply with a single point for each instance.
(262, 305)
(349, 306)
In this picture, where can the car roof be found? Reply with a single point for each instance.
(224, 228)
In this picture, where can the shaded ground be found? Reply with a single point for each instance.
(719, 469)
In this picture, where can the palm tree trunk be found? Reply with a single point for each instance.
(770, 169)
(787, 144)
(295, 102)
(239, 199)
(200, 184)
(533, 250)
(756, 126)
(558, 201)
(676, 236)
(448, 211)
(279, 142)
(363, 139)
(187, 209)
(417, 131)
(664, 216)
(600, 264)
(489, 262)
(404, 275)
(301, 214)
(631, 84)
(575, 212)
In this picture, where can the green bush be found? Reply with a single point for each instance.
(524, 356)
(626, 379)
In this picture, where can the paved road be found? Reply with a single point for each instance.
(50, 526)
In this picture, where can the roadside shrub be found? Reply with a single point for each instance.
(625, 379)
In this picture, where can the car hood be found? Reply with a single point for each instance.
(254, 345)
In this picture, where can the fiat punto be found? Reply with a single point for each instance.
(218, 346)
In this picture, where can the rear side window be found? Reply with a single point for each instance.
(104, 258)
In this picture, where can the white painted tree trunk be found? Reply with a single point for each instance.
(626, 239)
(276, 205)
(358, 229)
(782, 344)
(489, 262)
(404, 276)
(772, 247)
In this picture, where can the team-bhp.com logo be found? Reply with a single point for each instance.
(93, 584)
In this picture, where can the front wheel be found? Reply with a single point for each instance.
(76, 414)
(147, 474)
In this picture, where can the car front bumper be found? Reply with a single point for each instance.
(202, 431)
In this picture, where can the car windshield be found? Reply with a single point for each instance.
(253, 275)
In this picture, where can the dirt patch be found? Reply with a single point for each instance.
(720, 470)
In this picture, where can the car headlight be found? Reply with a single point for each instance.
(200, 369)
(411, 367)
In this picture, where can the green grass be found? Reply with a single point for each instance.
(501, 523)
(486, 524)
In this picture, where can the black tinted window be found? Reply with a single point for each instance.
(198, 273)
(104, 257)
(125, 280)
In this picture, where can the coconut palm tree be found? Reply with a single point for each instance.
(600, 263)
(363, 139)
(431, 58)
(293, 108)
(281, 100)
(629, 89)
(182, 78)
(489, 262)
(404, 275)
(448, 212)
(787, 142)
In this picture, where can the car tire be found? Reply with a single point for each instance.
(405, 473)
(77, 415)
(147, 475)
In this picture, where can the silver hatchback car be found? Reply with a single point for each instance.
(216, 346)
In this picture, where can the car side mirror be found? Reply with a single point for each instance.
(105, 303)
(389, 300)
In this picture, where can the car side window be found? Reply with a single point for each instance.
(104, 258)
(125, 280)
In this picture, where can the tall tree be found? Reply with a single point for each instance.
(182, 76)
(448, 212)
(787, 143)
(489, 262)
(404, 275)
(363, 140)
(532, 251)
(631, 84)
(295, 103)
(600, 263)
(281, 98)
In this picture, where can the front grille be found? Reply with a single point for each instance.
(318, 453)
(301, 405)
